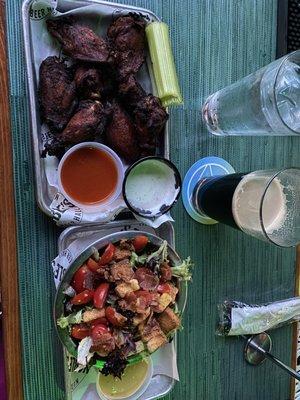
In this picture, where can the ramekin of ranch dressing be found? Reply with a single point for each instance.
(151, 187)
(131, 386)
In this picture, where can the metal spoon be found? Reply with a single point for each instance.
(258, 348)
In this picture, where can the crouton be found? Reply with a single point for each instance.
(164, 300)
(121, 271)
(125, 245)
(173, 292)
(141, 317)
(127, 287)
(156, 342)
(168, 320)
(149, 329)
(93, 314)
(121, 254)
(152, 334)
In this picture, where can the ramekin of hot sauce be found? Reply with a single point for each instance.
(90, 175)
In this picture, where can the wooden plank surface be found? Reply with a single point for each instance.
(8, 257)
(295, 326)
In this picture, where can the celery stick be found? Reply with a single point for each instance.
(164, 69)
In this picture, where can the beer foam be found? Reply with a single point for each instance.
(247, 200)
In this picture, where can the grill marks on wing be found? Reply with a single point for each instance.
(57, 93)
(128, 39)
(88, 121)
(78, 41)
(121, 134)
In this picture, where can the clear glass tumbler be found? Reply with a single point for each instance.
(263, 204)
(266, 102)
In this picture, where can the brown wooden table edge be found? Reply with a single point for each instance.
(295, 325)
(8, 245)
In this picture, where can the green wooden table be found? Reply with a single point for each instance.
(215, 43)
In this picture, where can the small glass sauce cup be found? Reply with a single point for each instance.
(100, 205)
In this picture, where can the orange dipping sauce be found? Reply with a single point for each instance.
(89, 175)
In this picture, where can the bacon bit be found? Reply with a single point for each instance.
(146, 278)
(165, 272)
(115, 318)
(168, 288)
(104, 345)
(139, 301)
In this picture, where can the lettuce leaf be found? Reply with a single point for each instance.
(75, 318)
(83, 351)
(136, 260)
(161, 254)
(183, 271)
(95, 254)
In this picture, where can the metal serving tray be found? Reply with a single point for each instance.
(44, 191)
(160, 385)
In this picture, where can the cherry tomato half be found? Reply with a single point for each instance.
(100, 295)
(97, 331)
(83, 298)
(108, 254)
(81, 278)
(80, 331)
(101, 321)
(115, 318)
(92, 265)
(139, 243)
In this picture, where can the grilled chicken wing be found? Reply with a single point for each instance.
(94, 83)
(78, 41)
(88, 82)
(150, 118)
(132, 133)
(131, 92)
(121, 135)
(57, 95)
(88, 121)
(127, 35)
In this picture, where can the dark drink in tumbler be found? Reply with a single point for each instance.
(264, 204)
(214, 197)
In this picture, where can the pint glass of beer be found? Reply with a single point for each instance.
(264, 204)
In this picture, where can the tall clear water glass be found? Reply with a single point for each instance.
(266, 102)
(263, 204)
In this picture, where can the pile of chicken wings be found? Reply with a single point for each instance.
(91, 91)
